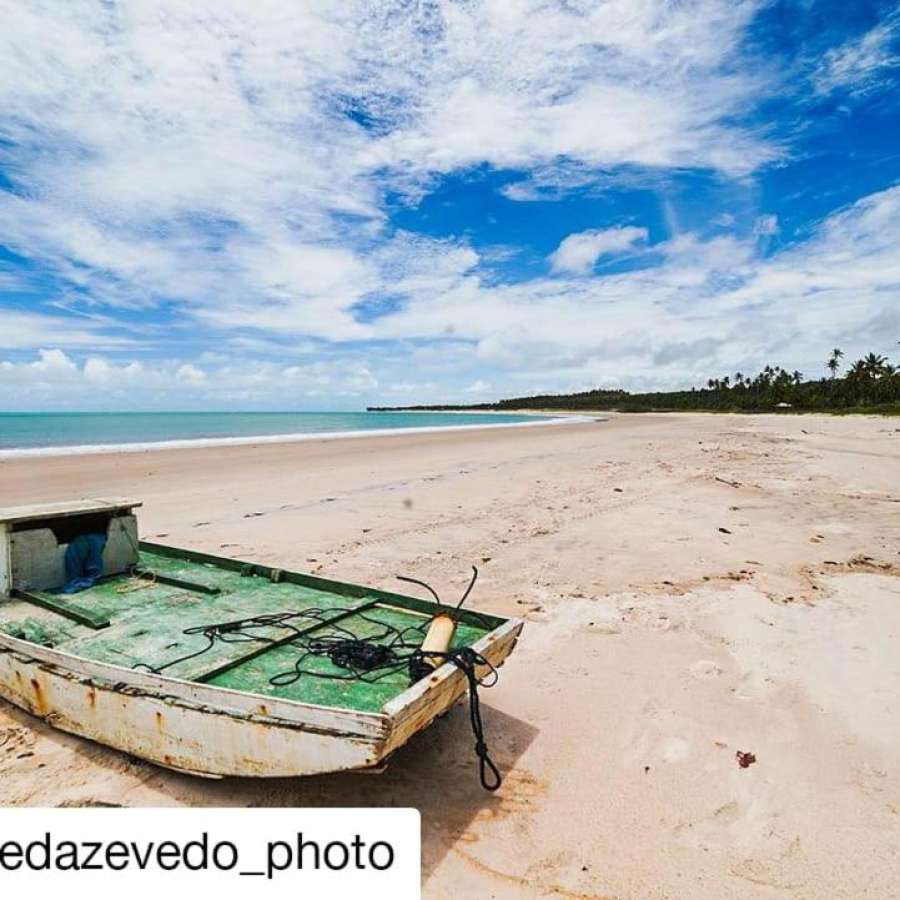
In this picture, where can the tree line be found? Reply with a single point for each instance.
(870, 384)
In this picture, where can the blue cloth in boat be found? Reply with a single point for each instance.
(84, 562)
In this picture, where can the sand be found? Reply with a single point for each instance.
(693, 586)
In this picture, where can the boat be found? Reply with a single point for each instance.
(222, 667)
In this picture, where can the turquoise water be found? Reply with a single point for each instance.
(49, 430)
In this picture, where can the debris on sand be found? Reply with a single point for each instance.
(745, 759)
(724, 530)
(729, 482)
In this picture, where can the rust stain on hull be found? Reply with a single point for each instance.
(40, 701)
(174, 733)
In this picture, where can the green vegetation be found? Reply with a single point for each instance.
(870, 385)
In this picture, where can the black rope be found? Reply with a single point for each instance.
(423, 584)
(467, 661)
(453, 613)
(468, 590)
(367, 659)
(241, 630)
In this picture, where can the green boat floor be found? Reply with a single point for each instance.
(255, 674)
(148, 620)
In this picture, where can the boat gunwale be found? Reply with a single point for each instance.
(64, 509)
(197, 694)
(344, 588)
(387, 728)
(413, 710)
(369, 724)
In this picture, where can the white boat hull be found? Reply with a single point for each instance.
(214, 731)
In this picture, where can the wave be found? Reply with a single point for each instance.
(245, 440)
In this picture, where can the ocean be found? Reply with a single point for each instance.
(32, 434)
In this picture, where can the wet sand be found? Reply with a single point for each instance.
(693, 587)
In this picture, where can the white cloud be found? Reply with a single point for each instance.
(859, 65)
(711, 306)
(98, 370)
(52, 362)
(577, 253)
(190, 374)
(519, 83)
(766, 226)
(27, 330)
(200, 154)
(550, 182)
(359, 378)
(57, 380)
(199, 158)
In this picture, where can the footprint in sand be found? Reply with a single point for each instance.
(705, 668)
(14, 741)
(714, 830)
(88, 802)
(676, 750)
(603, 628)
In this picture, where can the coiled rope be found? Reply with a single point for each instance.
(368, 659)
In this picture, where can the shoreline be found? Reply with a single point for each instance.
(253, 440)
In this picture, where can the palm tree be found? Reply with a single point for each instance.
(835, 361)
(875, 365)
(858, 370)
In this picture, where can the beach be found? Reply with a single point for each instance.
(699, 591)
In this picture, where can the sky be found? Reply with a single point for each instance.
(267, 205)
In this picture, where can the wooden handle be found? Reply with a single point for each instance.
(438, 639)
